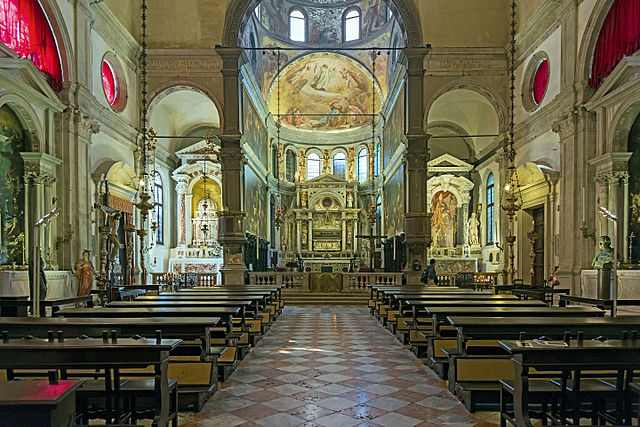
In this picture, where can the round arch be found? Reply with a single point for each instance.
(28, 118)
(405, 9)
(496, 101)
(65, 51)
(163, 90)
(589, 40)
(622, 122)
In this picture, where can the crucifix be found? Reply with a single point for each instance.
(373, 217)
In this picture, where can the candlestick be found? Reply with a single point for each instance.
(394, 247)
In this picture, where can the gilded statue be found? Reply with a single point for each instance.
(605, 254)
(85, 272)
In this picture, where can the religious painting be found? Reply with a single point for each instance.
(393, 209)
(12, 142)
(254, 130)
(324, 91)
(444, 223)
(255, 204)
(393, 132)
(634, 191)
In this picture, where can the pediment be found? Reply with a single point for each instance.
(20, 76)
(199, 151)
(326, 178)
(625, 73)
(448, 163)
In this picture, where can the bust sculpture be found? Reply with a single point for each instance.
(605, 254)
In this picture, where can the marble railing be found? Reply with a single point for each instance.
(358, 281)
(294, 280)
(350, 281)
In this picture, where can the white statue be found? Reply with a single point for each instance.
(473, 238)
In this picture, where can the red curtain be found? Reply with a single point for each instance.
(619, 37)
(108, 82)
(25, 29)
(540, 81)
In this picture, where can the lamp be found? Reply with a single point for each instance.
(511, 200)
(614, 290)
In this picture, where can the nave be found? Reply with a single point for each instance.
(332, 366)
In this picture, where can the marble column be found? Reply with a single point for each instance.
(625, 216)
(612, 202)
(465, 222)
(181, 189)
(298, 234)
(231, 228)
(417, 220)
(344, 232)
(603, 198)
(310, 236)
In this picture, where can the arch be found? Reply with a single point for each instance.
(298, 12)
(490, 203)
(363, 164)
(236, 16)
(499, 105)
(457, 130)
(63, 40)
(339, 155)
(336, 196)
(589, 39)
(315, 153)
(167, 88)
(347, 16)
(622, 122)
(28, 118)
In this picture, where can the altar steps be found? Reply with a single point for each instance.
(334, 298)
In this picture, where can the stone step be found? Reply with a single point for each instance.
(326, 298)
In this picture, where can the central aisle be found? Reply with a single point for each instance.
(331, 366)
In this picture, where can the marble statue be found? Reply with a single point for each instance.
(473, 238)
(605, 255)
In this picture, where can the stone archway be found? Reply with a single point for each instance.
(405, 9)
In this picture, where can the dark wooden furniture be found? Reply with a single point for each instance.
(20, 306)
(102, 354)
(545, 293)
(38, 403)
(604, 304)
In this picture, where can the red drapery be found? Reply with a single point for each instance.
(619, 37)
(108, 82)
(25, 29)
(540, 81)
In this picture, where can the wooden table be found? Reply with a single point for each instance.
(545, 294)
(257, 299)
(94, 353)
(38, 403)
(225, 314)
(604, 304)
(20, 306)
(611, 355)
(439, 314)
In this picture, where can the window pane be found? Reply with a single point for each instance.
(313, 166)
(352, 26)
(339, 165)
(490, 207)
(363, 165)
(291, 166)
(297, 26)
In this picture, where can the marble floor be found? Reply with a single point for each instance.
(333, 366)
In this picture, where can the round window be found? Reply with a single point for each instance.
(113, 82)
(540, 81)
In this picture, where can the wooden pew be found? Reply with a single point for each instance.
(106, 355)
(21, 306)
(192, 362)
(227, 360)
(620, 357)
(479, 362)
(41, 403)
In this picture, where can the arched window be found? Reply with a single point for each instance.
(297, 26)
(158, 202)
(352, 25)
(619, 37)
(109, 83)
(363, 165)
(275, 169)
(379, 220)
(376, 160)
(290, 167)
(490, 208)
(339, 165)
(313, 165)
(25, 29)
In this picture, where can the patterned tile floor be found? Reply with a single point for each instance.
(333, 366)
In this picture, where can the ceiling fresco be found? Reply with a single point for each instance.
(319, 85)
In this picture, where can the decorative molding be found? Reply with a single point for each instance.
(450, 61)
(172, 62)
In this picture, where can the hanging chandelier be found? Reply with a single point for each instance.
(146, 147)
(278, 217)
(511, 200)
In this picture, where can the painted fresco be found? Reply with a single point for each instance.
(319, 85)
(12, 142)
(444, 223)
(393, 206)
(393, 132)
(254, 131)
(255, 203)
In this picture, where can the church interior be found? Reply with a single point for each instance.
(319, 212)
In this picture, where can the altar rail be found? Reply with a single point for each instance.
(350, 281)
(449, 279)
(185, 280)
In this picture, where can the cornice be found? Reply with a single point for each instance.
(444, 61)
(37, 90)
(547, 18)
(115, 34)
(169, 62)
